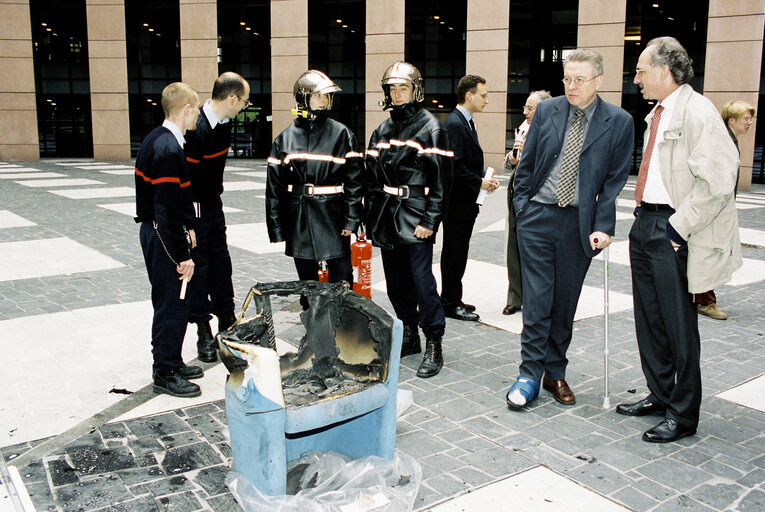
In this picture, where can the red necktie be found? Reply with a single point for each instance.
(643, 174)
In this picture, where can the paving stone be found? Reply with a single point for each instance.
(188, 458)
(634, 499)
(681, 475)
(102, 491)
(752, 478)
(88, 460)
(34, 472)
(212, 479)
(41, 496)
(157, 426)
(61, 473)
(141, 475)
(446, 484)
(717, 468)
(754, 501)
(472, 476)
(223, 503)
(421, 444)
(719, 496)
(210, 429)
(180, 439)
(599, 477)
(682, 503)
(167, 486)
(498, 461)
(183, 502)
(141, 504)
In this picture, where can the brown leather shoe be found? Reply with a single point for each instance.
(560, 390)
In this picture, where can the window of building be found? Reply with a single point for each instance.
(435, 44)
(244, 46)
(336, 31)
(62, 82)
(541, 35)
(153, 60)
(647, 19)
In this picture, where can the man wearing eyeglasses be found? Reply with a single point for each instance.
(684, 239)
(575, 162)
(206, 151)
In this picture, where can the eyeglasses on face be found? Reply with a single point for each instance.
(529, 107)
(246, 101)
(640, 72)
(578, 81)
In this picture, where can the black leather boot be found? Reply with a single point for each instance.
(410, 343)
(206, 344)
(172, 382)
(226, 320)
(433, 360)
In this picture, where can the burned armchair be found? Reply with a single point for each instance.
(337, 392)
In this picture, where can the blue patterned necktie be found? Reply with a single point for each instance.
(570, 165)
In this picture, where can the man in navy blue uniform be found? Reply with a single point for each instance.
(166, 214)
(206, 150)
(576, 159)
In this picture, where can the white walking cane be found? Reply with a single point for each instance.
(606, 400)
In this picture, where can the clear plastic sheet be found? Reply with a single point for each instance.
(331, 482)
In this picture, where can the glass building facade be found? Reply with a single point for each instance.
(153, 60)
(244, 46)
(62, 81)
(435, 44)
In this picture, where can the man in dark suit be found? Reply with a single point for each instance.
(468, 181)
(575, 162)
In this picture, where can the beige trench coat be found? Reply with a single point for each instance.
(698, 163)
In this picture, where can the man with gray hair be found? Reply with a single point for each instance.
(575, 162)
(685, 236)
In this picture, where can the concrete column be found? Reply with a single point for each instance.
(385, 45)
(601, 28)
(488, 29)
(18, 108)
(107, 62)
(289, 57)
(732, 65)
(199, 45)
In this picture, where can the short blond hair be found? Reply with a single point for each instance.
(736, 109)
(176, 96)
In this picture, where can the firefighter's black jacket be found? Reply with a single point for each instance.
(412, 149)
(319, 152)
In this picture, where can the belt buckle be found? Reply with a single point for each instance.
(403, 189)
(308, 189)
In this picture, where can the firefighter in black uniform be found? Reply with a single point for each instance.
(313, 186)
(206, 150)
(165, 211)
(408, 176)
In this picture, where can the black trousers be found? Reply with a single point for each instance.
(339, 269)
(513, 256)
(666, 321)
(412, 288)
(454, 255)
(553, 266)
(214, 290)
(171, 314)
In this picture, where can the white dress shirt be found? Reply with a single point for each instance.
(175, 131)
(655, 191)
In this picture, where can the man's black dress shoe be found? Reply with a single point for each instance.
(468, 307)
(509, 310)
(460, 313)
(645, 407)
(667, 431)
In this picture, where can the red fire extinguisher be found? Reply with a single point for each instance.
(361, 260)
(323, 272)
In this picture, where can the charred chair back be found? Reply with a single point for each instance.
(337, 392)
